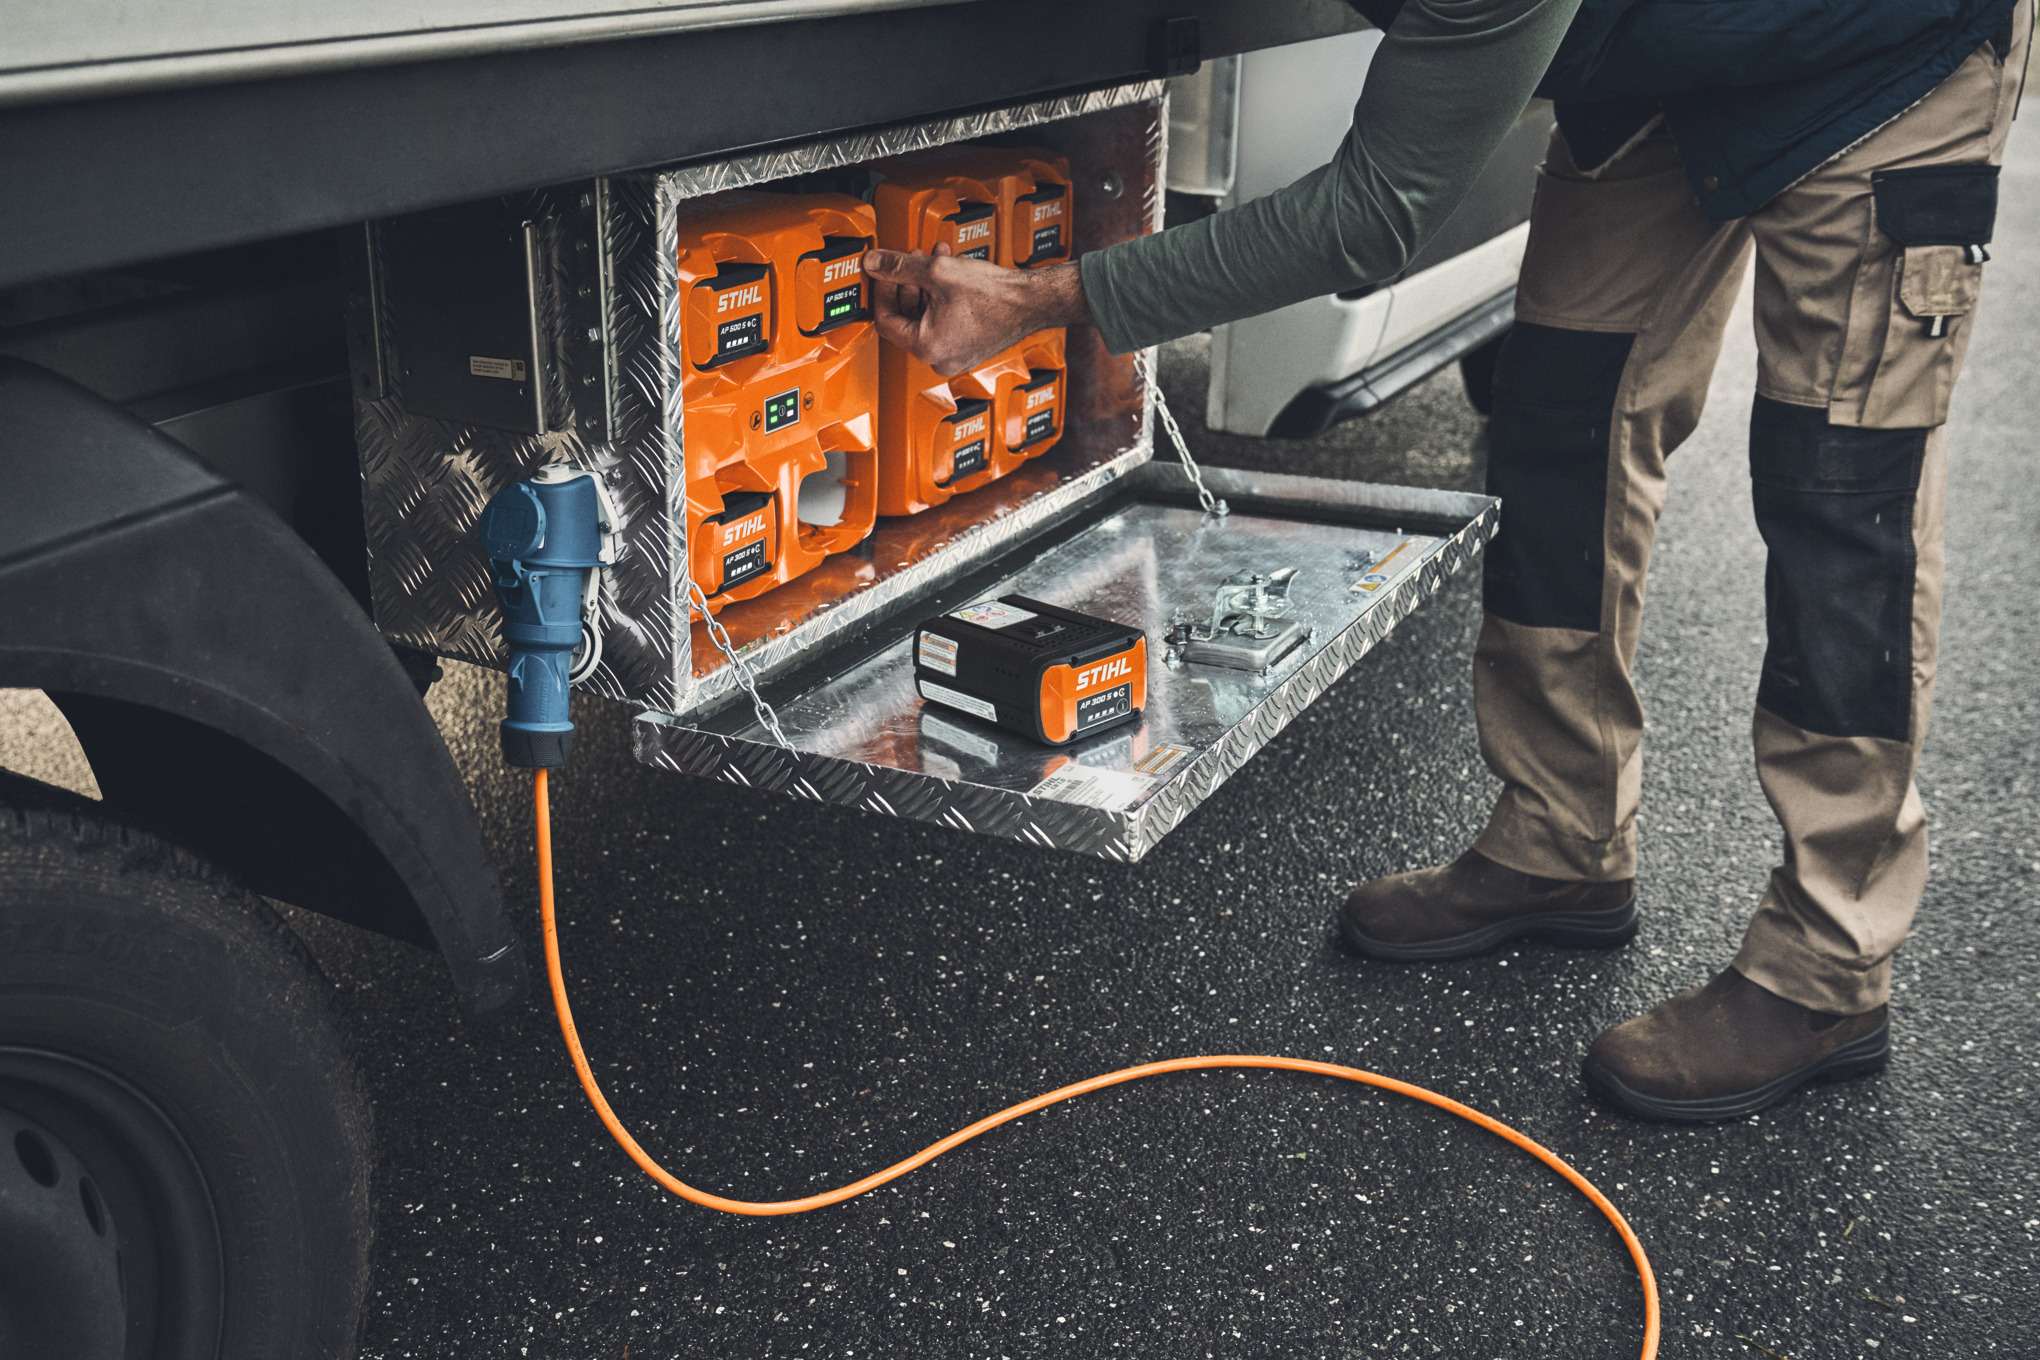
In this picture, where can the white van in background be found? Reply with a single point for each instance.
(1244, 126)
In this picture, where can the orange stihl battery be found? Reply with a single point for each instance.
(1040, 231)
(729, 314)
(743, 540)
(1048, 673)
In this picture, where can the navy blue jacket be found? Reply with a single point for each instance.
(1756, 93)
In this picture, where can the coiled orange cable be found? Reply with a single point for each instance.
(1006, 1116)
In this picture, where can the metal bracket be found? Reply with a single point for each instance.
(1247, 631)
(588, 351)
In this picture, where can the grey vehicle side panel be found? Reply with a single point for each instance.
(228, 689)
(95, 183)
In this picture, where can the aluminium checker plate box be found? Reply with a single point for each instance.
(1144, 555)
(603, 303)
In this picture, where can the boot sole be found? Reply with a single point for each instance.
(1858, 1058)
(1570, 929)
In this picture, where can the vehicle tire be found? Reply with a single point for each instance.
(171, 1081)
(1477, 367)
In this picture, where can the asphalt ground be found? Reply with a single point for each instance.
(780, 997)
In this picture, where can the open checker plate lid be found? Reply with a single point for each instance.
(1141, 552)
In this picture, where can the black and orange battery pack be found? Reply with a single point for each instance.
(1039, 232)
(1034, 409)
(740, 541)
(963, 446)
(1045, 672)
(779, 389)
(729, 314)
(829, 286)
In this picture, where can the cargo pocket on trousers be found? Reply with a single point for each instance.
(1941, 217)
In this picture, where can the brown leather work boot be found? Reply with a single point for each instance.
(1474, 904)
(1729, 1049)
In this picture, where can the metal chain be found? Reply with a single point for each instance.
(717, 634)
(1212, 504)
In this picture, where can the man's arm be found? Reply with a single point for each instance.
(1450, 78)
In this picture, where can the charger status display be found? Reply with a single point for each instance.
(782, 410)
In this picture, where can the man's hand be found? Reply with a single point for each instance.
(952, 313)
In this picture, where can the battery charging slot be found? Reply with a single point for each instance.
(1040, 226)
(741, 312)
(969, 432)
(832, 290)
(753, 555)
(974, 229)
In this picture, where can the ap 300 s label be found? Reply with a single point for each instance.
(1099, 708)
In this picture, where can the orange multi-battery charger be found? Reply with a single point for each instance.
(1012, 208)
(780, 386)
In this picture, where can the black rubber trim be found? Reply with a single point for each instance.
(1858, 1058)
(1316, 409)
(1570, 929)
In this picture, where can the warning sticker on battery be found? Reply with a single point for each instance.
(1111, 790)
(956, 698)
(991, 614)
(937, 653)
(1102, 708)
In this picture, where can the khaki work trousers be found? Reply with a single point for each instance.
(1868, 273)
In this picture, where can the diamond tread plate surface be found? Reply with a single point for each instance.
(864, 738)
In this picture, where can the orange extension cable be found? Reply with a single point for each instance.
(928, 1154)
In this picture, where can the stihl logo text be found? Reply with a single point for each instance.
(974, 231)
(1041, 398)
(740, 297)
(975, 425)
(1098, 675)
(842, 269)
(1042, 210)
(745, 527)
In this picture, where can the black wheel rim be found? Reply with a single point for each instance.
(149, 1185)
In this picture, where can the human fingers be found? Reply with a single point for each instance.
(910, 267)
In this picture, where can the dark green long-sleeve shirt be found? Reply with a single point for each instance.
(1449, 79)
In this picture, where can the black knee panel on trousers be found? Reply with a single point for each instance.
(1835, 506)
(1548, 461)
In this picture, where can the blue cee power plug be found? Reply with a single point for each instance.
(548, 539)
